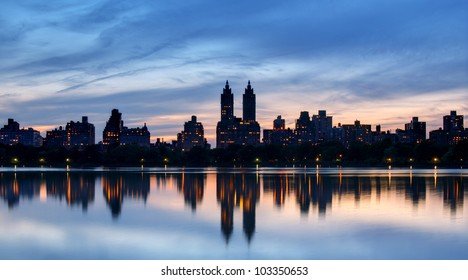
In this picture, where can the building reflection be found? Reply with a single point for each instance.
(117, 186)
(74, 188)
(226, 194)
(238, 190)
(415, 189)
(16, 185)
(453, 189)
(192, 186)
(317, 191)
(309, 190)
(278, 186)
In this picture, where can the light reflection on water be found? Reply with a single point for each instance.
(222, 213)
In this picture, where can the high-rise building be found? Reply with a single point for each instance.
(232, 130)
(322, 126)
(227, 104)
(248, 105)
(191, 136)
(115, 133)
(80, 133)
(453, 131)
(135, 136)
(304, 128)
(56, 138)
(75, 134)
(113, 129)
(279, 123)
(356, 132)
(11, 134)
(414, 133)
(453, 121)
(278, 135)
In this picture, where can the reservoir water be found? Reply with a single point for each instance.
(233, 213)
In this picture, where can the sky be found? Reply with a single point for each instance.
(160, 62)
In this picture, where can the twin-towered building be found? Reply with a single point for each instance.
(232, 130)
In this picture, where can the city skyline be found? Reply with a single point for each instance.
(159, 63)
(315, 129)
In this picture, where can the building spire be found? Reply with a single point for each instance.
(227, 84)
(249, 87)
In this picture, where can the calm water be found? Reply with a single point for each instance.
(214, 213)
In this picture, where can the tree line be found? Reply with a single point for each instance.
(325, 154)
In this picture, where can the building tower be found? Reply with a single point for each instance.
(248, 105)
(192, 135)
(113, 129)
(80, 133)
(227, 104)
(453, 121)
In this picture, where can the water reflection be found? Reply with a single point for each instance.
(192, 186)
(117, 186)
(453, 191)
(76, 189)
(310, 192)
(237, 190)
(13, 186)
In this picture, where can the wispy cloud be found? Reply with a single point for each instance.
(157, 59)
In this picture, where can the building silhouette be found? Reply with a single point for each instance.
(356, 132)
(135, 136)
(248, 104)
(75, 134)
(11, 134)
(279, 135)
(303, 131)
(191, 136)
(80, 133)
(232, 130)
(453, 130)
(115, 133)
(113, 129)
(314, 130)
(414, 133)
(56, 138)
(322, 127)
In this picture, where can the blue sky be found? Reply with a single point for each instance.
(160, 62)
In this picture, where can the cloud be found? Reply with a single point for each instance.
(167, 58)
